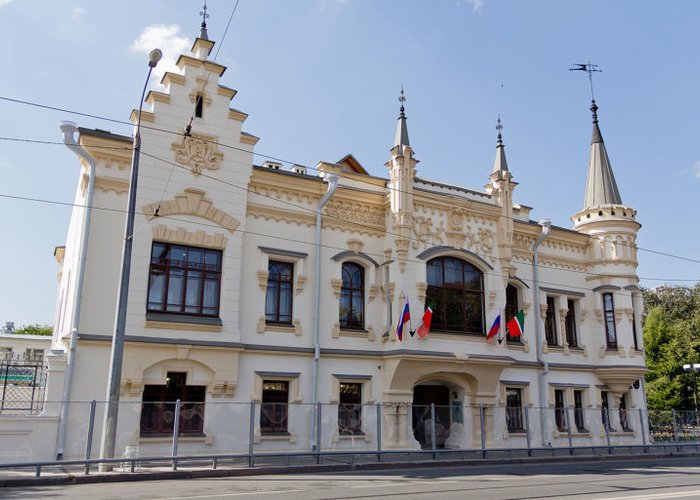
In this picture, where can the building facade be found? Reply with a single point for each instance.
(284, 287)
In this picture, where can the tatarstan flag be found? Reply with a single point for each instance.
(516, 326)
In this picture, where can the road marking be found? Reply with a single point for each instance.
(674, 494)
(402, 483)
(268, 492)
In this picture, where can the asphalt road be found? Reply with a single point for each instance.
(618, 480)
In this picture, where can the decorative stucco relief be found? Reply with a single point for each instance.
(355, 212)
(191, 202)
(199, 152)
(423, 229)
(195, 238)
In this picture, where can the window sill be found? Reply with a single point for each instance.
(277, 436)
(200, 439)
(183, 322)
(354, 332)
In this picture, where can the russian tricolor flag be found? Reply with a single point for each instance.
(405, 316)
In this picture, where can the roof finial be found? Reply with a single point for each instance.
(594, 110)
(499, 127)
(590, 69)
(203, 27)
(402, 99)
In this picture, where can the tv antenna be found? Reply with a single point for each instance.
(588, 68)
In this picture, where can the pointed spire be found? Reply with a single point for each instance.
(601, 188)
(500, 164)
(203, 27)
(401, 129)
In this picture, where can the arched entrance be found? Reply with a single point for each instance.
(440, 395)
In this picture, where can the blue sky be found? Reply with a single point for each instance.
(320, 79)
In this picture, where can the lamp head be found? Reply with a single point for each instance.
(153, 57)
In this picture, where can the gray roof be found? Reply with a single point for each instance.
(601, 188)
(500, 164)
(401, 131)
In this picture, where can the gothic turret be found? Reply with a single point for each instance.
(401, 173)
(604, 216)
(501, 189)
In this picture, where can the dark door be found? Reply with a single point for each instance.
(423, 397)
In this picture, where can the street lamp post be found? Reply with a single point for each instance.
(695, 367)
(109, 429)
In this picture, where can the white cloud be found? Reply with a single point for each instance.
(696, 169)
(4, 2)
(168, 40)
(77, 12)
(477, 5)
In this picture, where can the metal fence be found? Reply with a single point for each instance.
(22, 385)
(215, 434)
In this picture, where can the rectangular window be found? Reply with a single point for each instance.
(514, 410)
(274, 407)
(571, 324)
(624, 416)
(350, 409)
(158, 407)
(579, 419)
(559, 410)
(605, 411)
(278, 299)
(550, 323)
(634, 324)
(5, 353)
(609, 311)
(184, 280)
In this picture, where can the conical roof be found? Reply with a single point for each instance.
(601, 188)
(500, 164)
(401, 129)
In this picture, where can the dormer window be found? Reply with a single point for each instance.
(199, 106)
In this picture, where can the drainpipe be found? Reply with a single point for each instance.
(546, 224)
(332, 180)
(69, 129)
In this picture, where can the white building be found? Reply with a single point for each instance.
(226, 304)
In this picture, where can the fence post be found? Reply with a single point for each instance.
(379, 432)
(675, 430)
(319, 407)
(483, 432)
(641, 427)
(91, 428)
(176, 433)
(606, 425)
(433, 445)
(568, 428)
(4, 386)
(251, 434)
(527, 431)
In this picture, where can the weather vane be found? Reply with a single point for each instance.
(204, 14)
(588, 68)
(402, 99)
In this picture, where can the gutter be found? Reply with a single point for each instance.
(69, 129)
(332, 180)
(546, 224)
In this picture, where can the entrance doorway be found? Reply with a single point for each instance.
(423, 397)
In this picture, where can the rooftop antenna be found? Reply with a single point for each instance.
(588, 68)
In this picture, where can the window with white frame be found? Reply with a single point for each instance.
(274, 409)
(514, 409)
(609, 314)
(352, 296)
(579, 416)
(350, 408)
(570, 324)
(511, 310)
(560, 409)
(278, 297)
(550, 322)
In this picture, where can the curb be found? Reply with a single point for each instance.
(71, 479)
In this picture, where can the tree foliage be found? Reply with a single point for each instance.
(35, 329)
(672, 339)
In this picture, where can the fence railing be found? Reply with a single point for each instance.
(254, 433)
(22, 385)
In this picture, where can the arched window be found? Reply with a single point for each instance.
(352, 296)
(456, 294)
(512, 308)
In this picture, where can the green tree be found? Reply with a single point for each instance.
(35, 329)
(671, 339)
